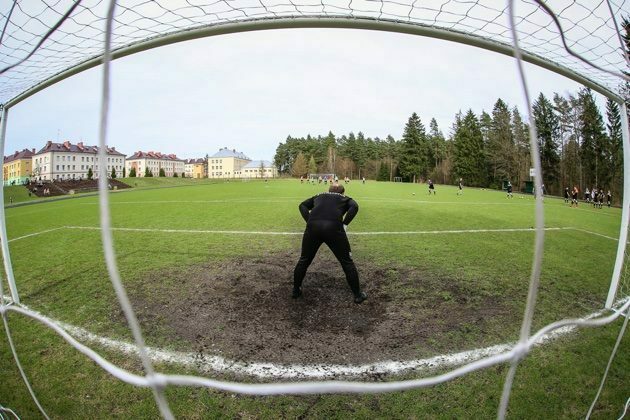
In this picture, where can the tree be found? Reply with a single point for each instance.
(175, 174)
(437, 151)
(312, 166)
(147, 172)
(113, 174)
(520, 133)
(468, 150)
(547, 128)
(124, 172)
(183, 175)
(132, 172)
(162, 173)
(595, 148)
(90, 174)
(413, 157)
(299, 167)
(500, 149)
(616, 145)
(261, 169)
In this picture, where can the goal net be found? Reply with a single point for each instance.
(42, 43)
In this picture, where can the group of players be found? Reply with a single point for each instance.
(595, 197)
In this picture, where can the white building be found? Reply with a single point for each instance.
(227, 163)
(259, 169)
(64, 161)
(155, 161)
(195, 168)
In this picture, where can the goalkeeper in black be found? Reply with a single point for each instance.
(326, 223)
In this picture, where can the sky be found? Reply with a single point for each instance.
(249, 91)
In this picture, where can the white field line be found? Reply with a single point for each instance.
(217, 364)
(596, 234)
(243, 232)
(36, 233)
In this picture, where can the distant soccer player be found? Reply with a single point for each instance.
(587, 195)
(460, 187)
(608, 198)
(509, 190)
(431, 188)
(566, 195)
(574, 196)
(326, 223)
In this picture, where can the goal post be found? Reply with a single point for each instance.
(409, 20)
(625, 211)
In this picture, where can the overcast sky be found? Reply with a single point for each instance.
(249, 91)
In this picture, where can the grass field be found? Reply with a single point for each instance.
(459, 276)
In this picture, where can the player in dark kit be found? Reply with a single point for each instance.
(325, 223)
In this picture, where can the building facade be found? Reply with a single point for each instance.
(66, 161)
(154, 161)
(259, 169)
(195, 168)
(227, 163)
(17, 168)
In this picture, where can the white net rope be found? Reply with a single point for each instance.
(131, 22)
(64, 33)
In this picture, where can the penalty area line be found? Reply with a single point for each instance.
(244, 232)
(214, 364)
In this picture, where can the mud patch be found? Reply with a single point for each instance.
(243, 311)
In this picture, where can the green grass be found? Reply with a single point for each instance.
(62, 274)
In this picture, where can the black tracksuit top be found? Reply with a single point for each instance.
(329, 206)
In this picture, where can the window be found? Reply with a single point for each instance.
(57, 167)
(74, 158)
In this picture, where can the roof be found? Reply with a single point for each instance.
(154, 155)
(225, 152)
(256, 164)
(194, 161)
(24, 154)
(68, 147)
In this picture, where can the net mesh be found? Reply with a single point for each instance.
(41, 39)
(588, 28)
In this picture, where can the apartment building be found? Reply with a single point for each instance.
(227, 163)
(65, 161)
(195, 168)
(17, 168)
(155, 161)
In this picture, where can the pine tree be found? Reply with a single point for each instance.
(500, 149)
(437, 151)
(124, 172)
(520, 133)
(113, 174)
(299, 167)
(90, 174)
(547, 128)
(147, 172)
(312, 166)
(595, 150)
(468, 150)
(413, 157)
(132, 173)
(616, 145)
(162, 173)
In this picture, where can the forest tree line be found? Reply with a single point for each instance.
(576, 146)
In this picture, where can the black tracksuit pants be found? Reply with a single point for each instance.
(332, 234)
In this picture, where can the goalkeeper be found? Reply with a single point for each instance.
(325, 223)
